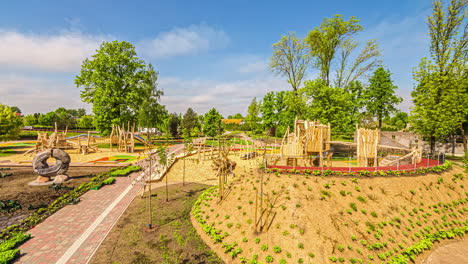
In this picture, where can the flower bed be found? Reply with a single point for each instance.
(408, 169)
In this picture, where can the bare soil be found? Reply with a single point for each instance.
(172, 238)
(331, 219)
(16, 187)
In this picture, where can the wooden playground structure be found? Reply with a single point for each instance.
(367, 146)
(307, 145)
(121, 139)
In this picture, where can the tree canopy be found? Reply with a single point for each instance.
(190, 122)
(380, 96)
(334, 39)
(117, 83)
(441, 95)
(290, 59)
(327, 104)
(212, 123)
(10, 123)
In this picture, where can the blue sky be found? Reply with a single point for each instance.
(208, 53)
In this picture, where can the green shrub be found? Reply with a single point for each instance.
(14, 241)
(125, 171)
(109, 181)
(277, 249)
(8, 256)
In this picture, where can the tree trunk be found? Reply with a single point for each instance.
(465, 140)
(272, 131)
(380, 121)
(454, 142)
(432, 144)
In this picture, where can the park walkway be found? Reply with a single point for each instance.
(74, 233)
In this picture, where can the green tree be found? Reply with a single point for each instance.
(332, 39)
(15, 109)
(276, 114)
(212, 123)
(64, 119)
(253, 118)
(441, 96)
(190, 122)
(356, 91)
(328, 105)
(236, 116)
(174, 124)
(85, 121)
(31, 120)
(398, 121)
(290, 59)
(47, 119)
(380, 95)
(151, 113)
(10, 123)
(115, 82)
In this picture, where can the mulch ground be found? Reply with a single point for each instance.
(172, 238)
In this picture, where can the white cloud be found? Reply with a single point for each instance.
(62, 52)
(254, 67)
(226, 97)
(184, 41)
(41, 95)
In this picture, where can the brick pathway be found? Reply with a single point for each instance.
(60, 232)
(74, 233)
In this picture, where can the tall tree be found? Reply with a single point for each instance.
(253, 117)
(10, 123)
(174, 124)
(380, 95)
(114, 81)
(290, 59)
(356, 91)
(441, 95)
(151, 113)
(212, 123)
(190, 122)
(334, 37)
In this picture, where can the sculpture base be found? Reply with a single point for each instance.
(60, 178)
(41, 180)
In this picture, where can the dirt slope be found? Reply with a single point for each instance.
(333, 219)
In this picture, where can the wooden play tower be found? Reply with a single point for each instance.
(367, 147)
(309, 141)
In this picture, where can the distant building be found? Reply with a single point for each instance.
(233, 121)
